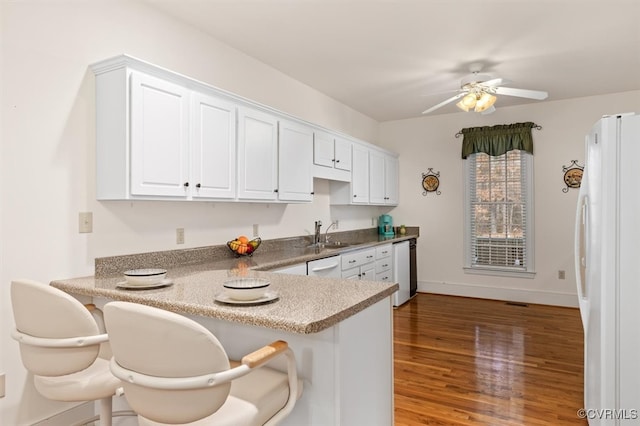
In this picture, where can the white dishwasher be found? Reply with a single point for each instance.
(330, 267)
(401, 272)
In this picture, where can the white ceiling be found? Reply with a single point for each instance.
(392, 59)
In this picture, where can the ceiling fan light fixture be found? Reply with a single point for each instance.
(468, 102)
(486, 101)
(462, 106)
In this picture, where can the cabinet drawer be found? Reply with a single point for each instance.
(358, 258)
(383, 251)
(383, 265)
(386, 276)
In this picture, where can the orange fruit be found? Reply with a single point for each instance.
(242, 249)
(243, 239)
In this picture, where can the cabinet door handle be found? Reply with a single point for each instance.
(275, 190)
(385, 265)
(312, 193)
(333, 160)
(198, 186)
(354, 195)
(352, 261)
(337, 161)
(186, 184)
(363, 274)
(370, 257)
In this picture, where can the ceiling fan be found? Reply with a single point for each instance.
(478, 93)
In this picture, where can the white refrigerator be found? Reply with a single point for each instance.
(607, 252)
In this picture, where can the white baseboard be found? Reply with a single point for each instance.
(71, 416)
(497, 293)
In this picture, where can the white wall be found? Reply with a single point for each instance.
(48, 153)
(430, 142)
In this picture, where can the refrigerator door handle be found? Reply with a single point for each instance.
(580, 253)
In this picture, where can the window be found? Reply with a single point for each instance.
(498, 213)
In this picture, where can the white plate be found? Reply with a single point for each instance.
(145, 276)
(127, 286)
(269, 296)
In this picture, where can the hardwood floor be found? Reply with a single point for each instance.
(462, 361)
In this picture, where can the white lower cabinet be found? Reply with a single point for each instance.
(384, 263)
(359, 265)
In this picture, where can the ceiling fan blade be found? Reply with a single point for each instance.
(443, 103)
(494, 82)
(521, 93)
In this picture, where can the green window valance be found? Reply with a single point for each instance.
(497, 140)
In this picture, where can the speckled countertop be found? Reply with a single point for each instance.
(305, 304)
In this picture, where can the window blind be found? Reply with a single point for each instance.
(498, 210)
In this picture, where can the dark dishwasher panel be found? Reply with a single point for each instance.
(413, 272)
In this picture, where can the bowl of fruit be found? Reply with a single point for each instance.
(242, 246)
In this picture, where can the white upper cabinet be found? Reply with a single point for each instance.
(213, 148)
(164, 136)
(257, 155)
(159, 137)
(360, 174)
(391, 182)
(376, 177)
(383, 178)
(295, 162)
(331, 156)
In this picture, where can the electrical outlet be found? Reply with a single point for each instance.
(180, 236)
(337, 224)
(85, 222)
(256, 230)
(561, 274)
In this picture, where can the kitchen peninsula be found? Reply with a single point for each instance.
(340, 330)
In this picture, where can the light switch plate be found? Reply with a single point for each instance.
(2, 385)
(85, 222)
(256, 230)
(180, 236)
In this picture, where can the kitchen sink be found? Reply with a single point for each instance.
(335, 244)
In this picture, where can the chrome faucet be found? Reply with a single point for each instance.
(326, 232)
(316, 238)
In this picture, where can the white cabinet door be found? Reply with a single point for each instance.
(368, 272)
(342, 152)
(391, 185)
(213, 148)
(383, 178)
(257, 155)
(360, 175)
(159, 137)
(331, 151)
(323, 150)
(376, 178)
(295, 162)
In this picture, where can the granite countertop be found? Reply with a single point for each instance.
(306, 304)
